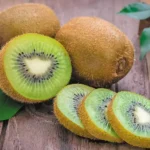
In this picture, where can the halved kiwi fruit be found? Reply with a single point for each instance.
(92, 112)
(27, 18)
(100, 53)
(66, 105)
(129, 115)
(33, 68)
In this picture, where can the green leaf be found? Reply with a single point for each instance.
(8, 107)
(145, 42)
(138, 11)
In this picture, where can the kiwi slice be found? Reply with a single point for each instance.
(65, 108)
(33, 68)
(129, 115)
(92, 112)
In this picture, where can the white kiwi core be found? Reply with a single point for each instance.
(142, 115)
(38, 66)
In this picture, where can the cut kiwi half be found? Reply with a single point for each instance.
(92, 112)
(66, 105)
(129, 115)
(34, 68)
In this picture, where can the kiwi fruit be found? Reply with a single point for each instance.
(129, 115)
(34, 68)
(27, 18)
(66, 105)
(92, 112)
(100, 53)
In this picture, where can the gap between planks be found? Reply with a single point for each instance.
(1, 125)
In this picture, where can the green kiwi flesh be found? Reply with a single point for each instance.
(129, 115)
(97, 124)
(66, 105)
(36, 66)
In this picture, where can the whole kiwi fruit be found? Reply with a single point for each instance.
(27, 18)
(100, 53)
(33, 68)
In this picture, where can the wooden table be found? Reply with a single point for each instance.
(35, 127)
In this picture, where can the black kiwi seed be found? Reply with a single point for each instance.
(77, 97)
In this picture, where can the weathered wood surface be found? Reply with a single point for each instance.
(36, 128)
(137, 78)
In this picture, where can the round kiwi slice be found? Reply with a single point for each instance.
(33, 68)
(27, 18)
(129, 115)
(66, 105)
(100, 53)
(92, 112)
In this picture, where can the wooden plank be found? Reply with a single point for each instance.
(41, 131)
(137, 78)
(36, 128)
(66, 10)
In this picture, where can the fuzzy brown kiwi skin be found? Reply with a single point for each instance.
(6, 86)
(83, 39)
(27, 18)
(92, 128)
(126, 135)
(69, 124)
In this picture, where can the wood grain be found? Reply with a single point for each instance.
(36, 127)
(137, 78)
(36, 130)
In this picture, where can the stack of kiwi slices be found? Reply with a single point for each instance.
(102, 114)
